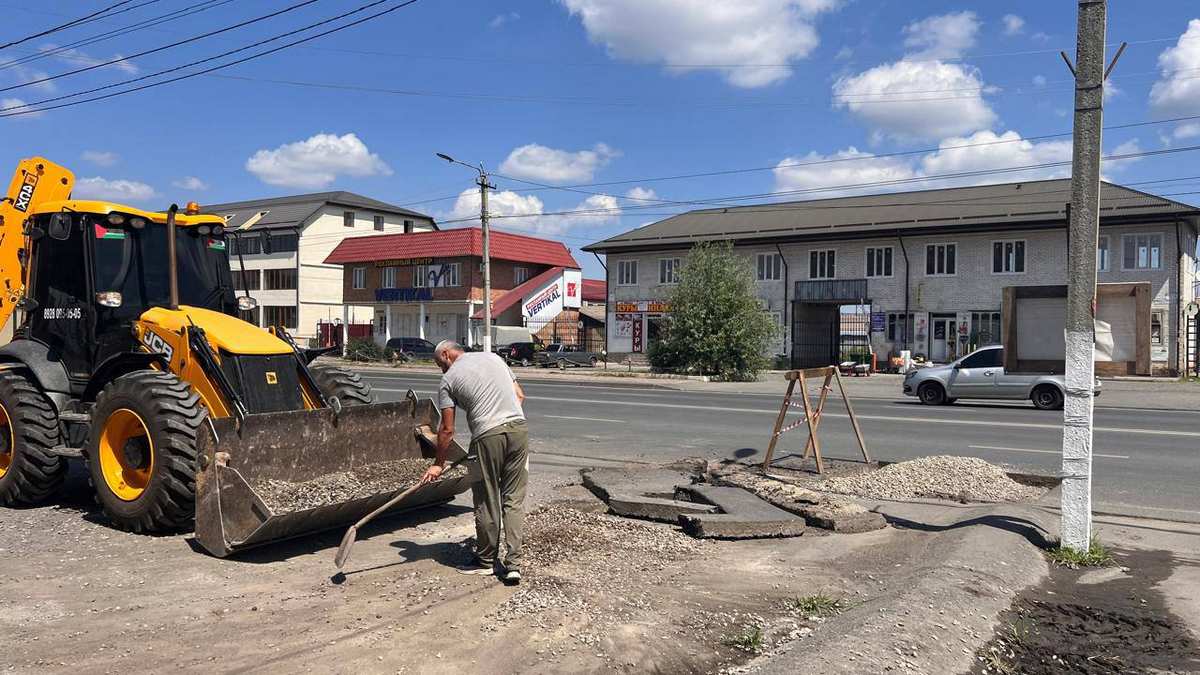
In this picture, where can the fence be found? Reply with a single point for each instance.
(1193, 346)
(330, 334)
(589, 339)
(823, 334)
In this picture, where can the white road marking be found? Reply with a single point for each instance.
(1044, 452)
(585, 419)
(880, 418)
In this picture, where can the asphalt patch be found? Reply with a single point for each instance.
(1119, 626)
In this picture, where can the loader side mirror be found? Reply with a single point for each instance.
(266, 242)
(60, 226)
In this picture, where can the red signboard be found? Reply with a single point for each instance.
(637, 335)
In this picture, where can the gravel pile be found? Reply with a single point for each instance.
(335, 488)
(570, 555)
(941, 477)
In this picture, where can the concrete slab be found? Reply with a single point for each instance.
(836, 513)
(643, 493)
(743, 516)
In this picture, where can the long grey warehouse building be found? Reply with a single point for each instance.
(936, 272)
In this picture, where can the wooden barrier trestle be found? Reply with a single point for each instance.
(812, 418)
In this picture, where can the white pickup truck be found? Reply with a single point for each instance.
(981, 374)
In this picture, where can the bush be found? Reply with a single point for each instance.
(366, 349)
(717, 326)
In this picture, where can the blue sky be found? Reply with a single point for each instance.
(578, 92)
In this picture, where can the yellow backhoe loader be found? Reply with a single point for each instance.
(129, 354)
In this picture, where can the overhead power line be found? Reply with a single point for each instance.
(77, 22)
(29, 108)
(162, 48)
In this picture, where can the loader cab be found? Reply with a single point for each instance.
(92, 274)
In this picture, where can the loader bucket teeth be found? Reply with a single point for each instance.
(302, 446)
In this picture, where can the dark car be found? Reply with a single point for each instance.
(565, 356)
(411, 348)
(519, 352)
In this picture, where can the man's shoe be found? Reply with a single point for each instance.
(478, 568)
(512, 577)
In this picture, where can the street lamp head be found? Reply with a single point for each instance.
(448, 158)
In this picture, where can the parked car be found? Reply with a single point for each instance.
(522, 353)
(981, 374)
(411, 348)
(564, 356)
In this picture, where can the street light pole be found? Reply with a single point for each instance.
(484, 186)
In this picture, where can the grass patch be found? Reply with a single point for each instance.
(815, 605)
(1001, 655)
(1096, 555)
(749, 639)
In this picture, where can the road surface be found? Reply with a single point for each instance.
(1144, 459)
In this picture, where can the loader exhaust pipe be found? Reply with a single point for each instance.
(172, 258)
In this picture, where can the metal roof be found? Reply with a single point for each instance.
(291, 212)
(981, 207)
(452, 243)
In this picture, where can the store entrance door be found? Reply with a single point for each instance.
(942, 343)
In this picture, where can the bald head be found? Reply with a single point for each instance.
(445, 353)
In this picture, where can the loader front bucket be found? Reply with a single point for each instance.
(285, 475)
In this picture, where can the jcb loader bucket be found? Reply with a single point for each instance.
(301, 446)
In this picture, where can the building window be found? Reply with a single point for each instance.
(1142, 251)
(668, 270)
(360, 278)
(408, 227)
(770, 267)
(520, 275)
(280, 316)
(348, 218)
(284, 243)
(389, 278)
(1156, 328)
(251, 282)
(250, 317)
(1102, 254)
(378, 223)
(279, 280)
(1008, 257)
(436, 276)
(898, 330)
(820, 264)
(985, 328)
(245, 244)
(627, 273)
(940, 259)
(879, 261)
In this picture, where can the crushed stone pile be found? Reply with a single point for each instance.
(335, 488)
(940, 477)
(569, 554)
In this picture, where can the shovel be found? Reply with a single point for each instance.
(343, 552)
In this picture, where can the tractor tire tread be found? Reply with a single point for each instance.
(35, 474)
(347, 385)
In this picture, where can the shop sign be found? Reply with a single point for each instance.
(627, 307)
(637, 337)
(624, 325)
(403, 295)
(401, 262)
(540, 302)
(650, 306)
(878, 322)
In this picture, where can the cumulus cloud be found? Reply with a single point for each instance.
(678, 33)
(841, 170)
(100, 157)
(8, 103)
(1188, 130)
(190, 183)
(541, 163)
(1177, 91)
(641, 193)
(1013, 24)
(316, 162)
(499, 20)
(115, 189)
(988, 151)
(514, 211)
(921, 96)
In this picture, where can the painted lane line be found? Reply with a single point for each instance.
(879, 418)
(585, 419)
(1043, 452)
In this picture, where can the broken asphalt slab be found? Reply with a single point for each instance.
(643, 493)
(743, 515)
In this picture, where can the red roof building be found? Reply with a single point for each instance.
(467, 241)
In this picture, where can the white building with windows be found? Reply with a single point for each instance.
(284, 253)
(923, 271)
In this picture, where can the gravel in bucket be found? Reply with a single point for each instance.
(343, 486)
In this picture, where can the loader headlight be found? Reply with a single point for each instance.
(109, 299)
(218, 230)
(136, 222)
(204, 230)
(246, 303)
(116, 219)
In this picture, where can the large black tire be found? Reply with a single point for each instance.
(164, 415)
(345, 385)
(29, 474)
(1047, 397)
(931, 393)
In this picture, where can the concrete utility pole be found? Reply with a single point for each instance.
(1081, 276)
(484, 186)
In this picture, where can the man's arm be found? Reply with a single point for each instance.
(519, 392)
(445, 436)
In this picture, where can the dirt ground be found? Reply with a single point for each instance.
(1094, 622)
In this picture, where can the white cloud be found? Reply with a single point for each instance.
(100, 157)
(513, 211)
(76, 58)
(316, 162)
(917, 100)
(945, 36)
(190, 183)
(26, 75)
(1039, 80)
(541, 163)
(844, 54)
(921, 97)
(1177, 92)
(678, 33)
(1013, 24)
(641, 193)
(1188, 130)
(843, 168)
(500, 19)
(7, 103)
(989, 151)
(117, 190)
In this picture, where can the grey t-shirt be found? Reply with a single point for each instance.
(481, 385)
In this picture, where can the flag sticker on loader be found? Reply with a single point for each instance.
(216, 245)
(105, 233)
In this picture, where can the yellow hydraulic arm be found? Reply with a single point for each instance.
(36, 180)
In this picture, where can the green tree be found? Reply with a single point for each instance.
(717, 326)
